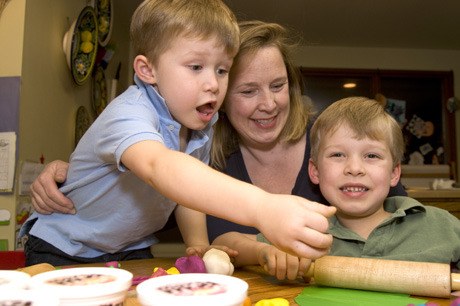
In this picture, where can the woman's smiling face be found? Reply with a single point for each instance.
(257, 100)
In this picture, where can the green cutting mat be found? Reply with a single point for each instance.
(327, 296)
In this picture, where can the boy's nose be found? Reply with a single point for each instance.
(354, 166)
(212, 82)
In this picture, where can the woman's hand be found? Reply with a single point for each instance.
(200, 250)
(46, 197)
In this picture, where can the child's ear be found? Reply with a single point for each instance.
(395, 175)
(313, 172)
(144, 69)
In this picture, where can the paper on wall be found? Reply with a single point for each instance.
(29, 172)
(7, 160)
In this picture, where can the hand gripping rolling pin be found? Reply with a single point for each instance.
(409, 277)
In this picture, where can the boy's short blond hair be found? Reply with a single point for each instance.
(155, 23)
(366, 117)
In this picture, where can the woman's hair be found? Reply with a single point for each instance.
(255, 35)
(156, 23)
(366, 117)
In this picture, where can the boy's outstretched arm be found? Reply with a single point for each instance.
(294, 224)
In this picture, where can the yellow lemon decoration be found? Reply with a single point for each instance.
(273, 302)
(86, 47)
(86, 36)
(103, 25)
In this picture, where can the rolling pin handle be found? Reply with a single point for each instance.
(455, 281)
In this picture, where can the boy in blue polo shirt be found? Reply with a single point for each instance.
(149, 148)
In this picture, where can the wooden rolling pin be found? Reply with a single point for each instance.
(409, 277)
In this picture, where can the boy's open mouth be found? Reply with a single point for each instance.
(206, 109)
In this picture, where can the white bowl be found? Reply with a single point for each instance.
(81, 61)
(11, 279)
(28, 297)
(67, 42)
(85, 286)
(192, 289)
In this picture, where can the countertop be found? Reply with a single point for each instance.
(430, 193)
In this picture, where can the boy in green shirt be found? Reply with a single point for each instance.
(356, 153)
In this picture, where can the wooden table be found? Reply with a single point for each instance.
(261, 285)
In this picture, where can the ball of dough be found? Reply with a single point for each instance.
(218, 262)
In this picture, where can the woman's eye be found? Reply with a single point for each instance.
(279, 86)
(249, 92)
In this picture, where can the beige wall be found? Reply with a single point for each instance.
(49, 99)
(11, 35)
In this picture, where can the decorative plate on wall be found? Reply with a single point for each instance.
(104, 14)
(80, 45)
(82, 123)
(100, 94)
